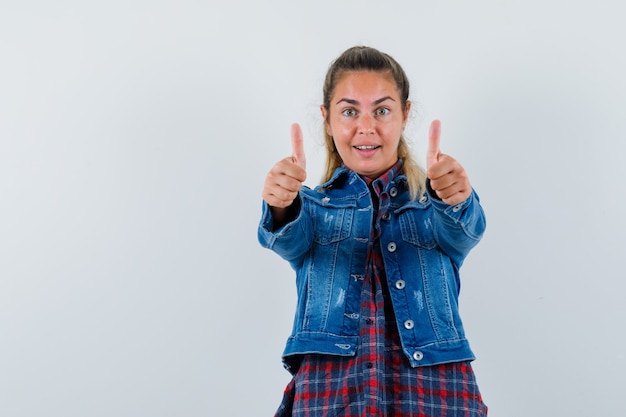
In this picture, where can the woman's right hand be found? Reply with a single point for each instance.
(284, 180)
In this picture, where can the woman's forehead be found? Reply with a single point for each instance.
(365, 84)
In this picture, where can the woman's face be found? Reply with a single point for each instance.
(366, 121)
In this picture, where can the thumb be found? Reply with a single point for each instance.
(432, 155)
(297, 144)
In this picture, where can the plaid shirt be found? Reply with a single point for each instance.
(379, 380)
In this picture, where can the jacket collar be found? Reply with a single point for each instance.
(343, 174)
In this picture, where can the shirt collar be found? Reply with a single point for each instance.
(380, 184)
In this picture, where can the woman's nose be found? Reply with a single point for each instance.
(366, 125)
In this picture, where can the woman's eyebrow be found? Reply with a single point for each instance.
(347, 100)
(380, 100)
(355, 102)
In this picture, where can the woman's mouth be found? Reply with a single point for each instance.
(366, 151)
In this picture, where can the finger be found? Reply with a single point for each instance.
(288, 168)
(280, 198)
(297, 144)
(458, 197)
(432, 155)
(280, 190)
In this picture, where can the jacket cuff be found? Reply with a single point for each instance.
(267, 221)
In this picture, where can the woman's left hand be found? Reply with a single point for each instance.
(447, 176)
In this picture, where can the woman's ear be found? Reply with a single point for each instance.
(325, 117)
(407, 111)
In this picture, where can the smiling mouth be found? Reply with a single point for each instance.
(367, 147)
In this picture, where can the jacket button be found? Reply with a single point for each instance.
(457, 208)
(391, 247)
(409, 324)
(423, 199)
(393, 192)
(400, 284)
(386, 216)
(418, 356)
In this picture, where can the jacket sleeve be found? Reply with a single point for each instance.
(458, 228)
(292, 240)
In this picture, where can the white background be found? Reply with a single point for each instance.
(134, 140)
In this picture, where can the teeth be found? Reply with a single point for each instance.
(364, 148)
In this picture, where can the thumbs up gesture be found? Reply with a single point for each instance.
(285, 179)
(447, 176)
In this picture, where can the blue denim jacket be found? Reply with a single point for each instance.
(423, 243)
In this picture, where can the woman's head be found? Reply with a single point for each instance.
(365, 109)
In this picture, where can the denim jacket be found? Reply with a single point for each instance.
(423, 243)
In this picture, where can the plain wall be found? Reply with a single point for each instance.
(134, 140)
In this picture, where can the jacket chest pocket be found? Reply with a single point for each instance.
(416, 228)
(332, 224)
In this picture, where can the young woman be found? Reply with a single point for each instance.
(377, 249)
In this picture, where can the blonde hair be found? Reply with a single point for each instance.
(363, 58)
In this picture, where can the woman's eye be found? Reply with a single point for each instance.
(382, 111)
(348, 112)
